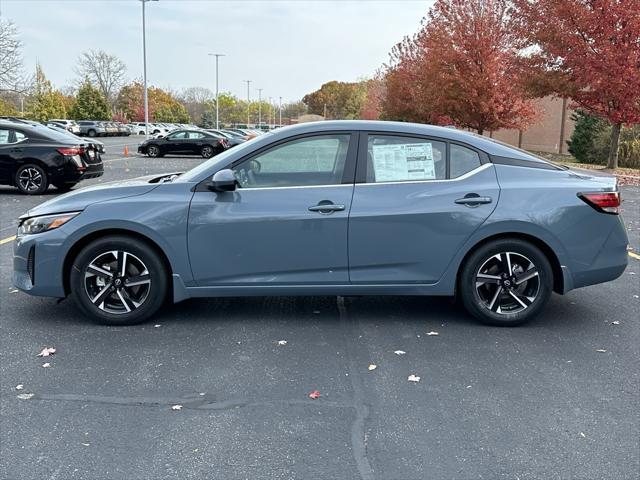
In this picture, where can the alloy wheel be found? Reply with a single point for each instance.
(30, 179)
(153, 151)
(117, 282)
(207, 152)
(507, 283)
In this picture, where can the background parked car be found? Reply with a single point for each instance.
(92, 128)
(34, 157)
(231, 140)
(69, 125)
(193, 142)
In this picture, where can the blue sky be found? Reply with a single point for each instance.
(288, 48)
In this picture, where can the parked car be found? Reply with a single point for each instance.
(236, 132)
(230, 139)
(332, 208)
(123, 130)
(69, 125)
(92, 128)
(97, 145)
(190, 142)
(34, 157)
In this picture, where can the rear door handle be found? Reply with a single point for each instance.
(472, 200)
(326, 208)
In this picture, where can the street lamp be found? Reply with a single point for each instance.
(144, 63)
(280, 121)
(248, 101)
(217, 55)
(260, 106)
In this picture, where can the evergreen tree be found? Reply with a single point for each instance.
(46, 103)
(90, 104)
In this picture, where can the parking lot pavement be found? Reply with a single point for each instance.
(556, 398)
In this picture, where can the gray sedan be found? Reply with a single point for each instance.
(332, 208)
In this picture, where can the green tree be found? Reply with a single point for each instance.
(45, 102)
(339, 100)
(90, 103)
(7, 108)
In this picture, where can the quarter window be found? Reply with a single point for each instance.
(19, 136)
(196, 135)
(463, 160)
(317, 160)
(397, 159)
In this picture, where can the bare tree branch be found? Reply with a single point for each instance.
(107, 72)
(10, 57)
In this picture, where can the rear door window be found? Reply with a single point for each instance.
(393, 158)
(4, 136)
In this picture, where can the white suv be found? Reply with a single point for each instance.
(69, 125)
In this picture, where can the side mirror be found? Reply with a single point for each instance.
(223, 181)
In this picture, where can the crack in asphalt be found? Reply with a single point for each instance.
(358, 435)
(192, 401)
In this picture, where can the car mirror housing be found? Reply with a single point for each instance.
(223, 181)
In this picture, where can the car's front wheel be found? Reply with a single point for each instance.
(153, 151)
(31, 179)
(506, 282)
(118, 280)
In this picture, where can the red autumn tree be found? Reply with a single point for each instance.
(595, 46)
(472, 57)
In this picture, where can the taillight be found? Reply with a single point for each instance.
(606, 202)
(71, 150)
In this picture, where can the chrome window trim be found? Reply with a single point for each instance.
(240, 189)
(435, 180)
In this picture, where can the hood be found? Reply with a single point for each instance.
(80, 199)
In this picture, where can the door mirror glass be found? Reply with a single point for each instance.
(223, 181)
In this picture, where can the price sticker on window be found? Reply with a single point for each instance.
(400, 162)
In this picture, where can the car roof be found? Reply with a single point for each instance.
(447, 133)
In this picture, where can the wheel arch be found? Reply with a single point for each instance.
(554, 261)
(26, 161)
(75, 249)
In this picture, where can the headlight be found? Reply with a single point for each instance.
(44, 223)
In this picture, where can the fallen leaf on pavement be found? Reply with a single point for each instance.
(176, 407)
(282, 342)
(601, 350)
(46, 351)
(315, 394)
(46, 365)
(413, 378)
(583, 435)
(399, 352)
(432, 333)
(468, 386)
(372, 367)
(615, 322)
(86, 444)
(25, 396)
(19, 387)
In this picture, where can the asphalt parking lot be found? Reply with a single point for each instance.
(554, 399)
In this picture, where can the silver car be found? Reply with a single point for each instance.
(332, 208)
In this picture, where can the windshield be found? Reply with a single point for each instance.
(193, 174)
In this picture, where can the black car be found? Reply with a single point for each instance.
(189, 142)
(34, 157)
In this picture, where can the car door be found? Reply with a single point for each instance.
(416, 201)
(285, 224)
(177, 142)
(7, 154)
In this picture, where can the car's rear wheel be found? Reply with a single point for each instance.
(31, 179)
(506, 282)
(118, 280)
(207, 151)
(153, 151)
(91, 133)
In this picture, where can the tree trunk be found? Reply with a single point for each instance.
(480, 131)
(612, 163)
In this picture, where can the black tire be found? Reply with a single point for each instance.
(31, 179)
(153, 151)
(65, 187)
(91, 133)
(485, 288)
(116, 303)
(207, 151)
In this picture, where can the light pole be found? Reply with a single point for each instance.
(260, 107)
(144, 63)
(270, 110)
(217, 55)
(280, 121)
(248, 101)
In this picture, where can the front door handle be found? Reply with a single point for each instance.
(473, 200)
(326, 208)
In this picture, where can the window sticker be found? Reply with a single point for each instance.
(412, 161)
